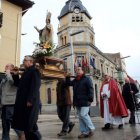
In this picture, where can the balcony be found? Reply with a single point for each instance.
(1, 19)
(95, 72)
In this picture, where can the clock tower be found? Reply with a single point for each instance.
(75, 34)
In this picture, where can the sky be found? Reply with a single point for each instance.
(116, 25)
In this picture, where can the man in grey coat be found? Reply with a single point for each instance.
(8, 87)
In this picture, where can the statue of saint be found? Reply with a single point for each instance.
(45, 34)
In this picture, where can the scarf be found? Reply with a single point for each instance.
(78, 77)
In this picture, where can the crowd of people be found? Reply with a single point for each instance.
(20, 100)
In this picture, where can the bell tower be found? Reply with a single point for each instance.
(75, 34)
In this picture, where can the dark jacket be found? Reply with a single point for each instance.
(63, 94)
(82, 91)
(128, 97)
(28, 91)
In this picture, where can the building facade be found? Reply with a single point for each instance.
(11, 12)
(76, 45)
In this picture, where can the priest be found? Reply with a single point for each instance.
(112, 105)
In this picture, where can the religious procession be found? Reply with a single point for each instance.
(73, 80)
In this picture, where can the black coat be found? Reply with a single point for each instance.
(82, 91)
(26, 117)
(128, 97)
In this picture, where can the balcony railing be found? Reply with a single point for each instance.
(93, 72)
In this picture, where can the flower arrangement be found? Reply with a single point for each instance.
(46, 50)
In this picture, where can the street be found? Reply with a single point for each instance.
(49, 126)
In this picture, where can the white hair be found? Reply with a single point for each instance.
(28, 57)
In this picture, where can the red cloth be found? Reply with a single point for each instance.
(84, 62)
(78, 77)
(117, 105)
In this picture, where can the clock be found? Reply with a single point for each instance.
(76, 10)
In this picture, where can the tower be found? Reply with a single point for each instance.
(75, 34)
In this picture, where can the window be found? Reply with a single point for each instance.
(82, 61)
(1, 18)
(65, 65)
(91, 38)
(94, 63)
(78, 60)
(112, 74)
(77, 18)
(96, 93)
(73, 19)
(49, 98)
(65, 40)
(107, 70)
(62, 41)
(102, 69)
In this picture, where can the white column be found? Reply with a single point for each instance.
(72, 56)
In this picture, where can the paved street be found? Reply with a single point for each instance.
(50, 125)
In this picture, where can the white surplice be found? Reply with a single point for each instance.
(108, 118)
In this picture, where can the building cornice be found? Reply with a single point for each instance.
(24, 4)
(85, 44)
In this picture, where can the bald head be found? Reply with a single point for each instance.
(9, 67)
(127, 80)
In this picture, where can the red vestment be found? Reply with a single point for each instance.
(117, 105)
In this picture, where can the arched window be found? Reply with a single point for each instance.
(62, 41)
(73, 19)
(102, 69)
(107, 70)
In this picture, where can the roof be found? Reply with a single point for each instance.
(69, 7)
(131, 79)
(24, 4)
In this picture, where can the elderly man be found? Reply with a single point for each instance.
(27, 101)
(128, 92)
(112, 104)
(82, 98)
(8, 88)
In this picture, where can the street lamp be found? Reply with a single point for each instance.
(72, 52)
(121, 71)
(125, 57)
(24, 34)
